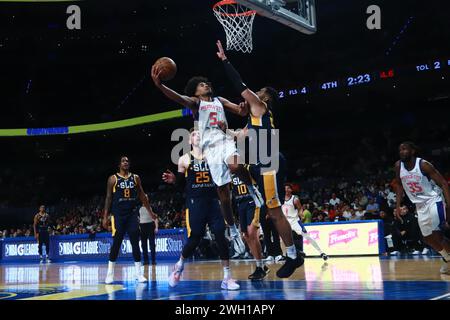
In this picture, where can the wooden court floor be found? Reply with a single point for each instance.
(354, 278)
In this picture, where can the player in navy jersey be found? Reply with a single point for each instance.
(249, 217)
(41, 224)
(420, 181)
(202, 208)
(258, 107)
(123, 192)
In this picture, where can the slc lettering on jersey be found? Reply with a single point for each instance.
(126, 184)
(198, 167)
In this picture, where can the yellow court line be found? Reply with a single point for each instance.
(79, 293)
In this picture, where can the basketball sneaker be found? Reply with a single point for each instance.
(270, 259)
(109, 277)
(290, 265)
(425, 251)
(175, 276)
(259, 274)
(415, 252)
(444, 267)
(324, 256)
(230, 284)
(279, 258)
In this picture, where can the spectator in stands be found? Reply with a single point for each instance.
(410, 235)
(360, 213)
(372, 209)
(306, 214)
(334, 200)
(391, 234)
(346, 212)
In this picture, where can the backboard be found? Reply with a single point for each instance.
(297, 14)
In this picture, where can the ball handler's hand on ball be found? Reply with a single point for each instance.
(156, 73)
(221, 53)
(169, 177)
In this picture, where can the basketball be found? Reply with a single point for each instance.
(168, 68)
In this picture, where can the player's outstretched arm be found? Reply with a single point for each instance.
(398, 191)
(239, 109)
(185, 101)
(108, 199)
(435, 175)
(257, 107)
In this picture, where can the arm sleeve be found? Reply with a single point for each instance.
(234, 76)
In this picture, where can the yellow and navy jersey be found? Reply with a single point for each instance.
(125, 194)
(259, 124)
(199, 183)
(240, 190)
(42, 222)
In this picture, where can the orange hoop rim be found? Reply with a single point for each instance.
(230, 2)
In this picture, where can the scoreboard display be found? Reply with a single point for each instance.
(367, 78)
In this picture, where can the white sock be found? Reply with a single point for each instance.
(111, 266)
(180, 263)
(226, 273)
(137, 266)
(259, 263)
(291, 252)
(445, 255)
(313, 242)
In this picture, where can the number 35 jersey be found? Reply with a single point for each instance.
(419, 187)
(124, 195)
(198, 180)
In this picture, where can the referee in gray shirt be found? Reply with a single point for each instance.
(149, 228)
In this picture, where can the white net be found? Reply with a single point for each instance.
(237, 20)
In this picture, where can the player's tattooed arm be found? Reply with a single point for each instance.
(398, 191)
(431, 171)
(185, 101)
(108, 200)
(143, 197)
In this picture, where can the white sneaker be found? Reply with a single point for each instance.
(279, 258)
(415, 252)
(425, 251)
(109, 278)
(230, 284)
(394, 253)
(175, 276)
(270, 259)
(444, 268)
(140, 278)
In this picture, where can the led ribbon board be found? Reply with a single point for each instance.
(96, 126)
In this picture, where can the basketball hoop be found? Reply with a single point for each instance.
(237, 20)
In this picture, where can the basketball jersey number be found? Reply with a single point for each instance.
(414, 187)
(242, 189)
(213, 119)
(126, 193)
(202, 177)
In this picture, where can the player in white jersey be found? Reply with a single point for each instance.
(415, 175)
(218, 148)
(292, 209)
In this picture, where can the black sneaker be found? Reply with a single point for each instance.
(259, 274)
(289, 266)
(324, 257)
